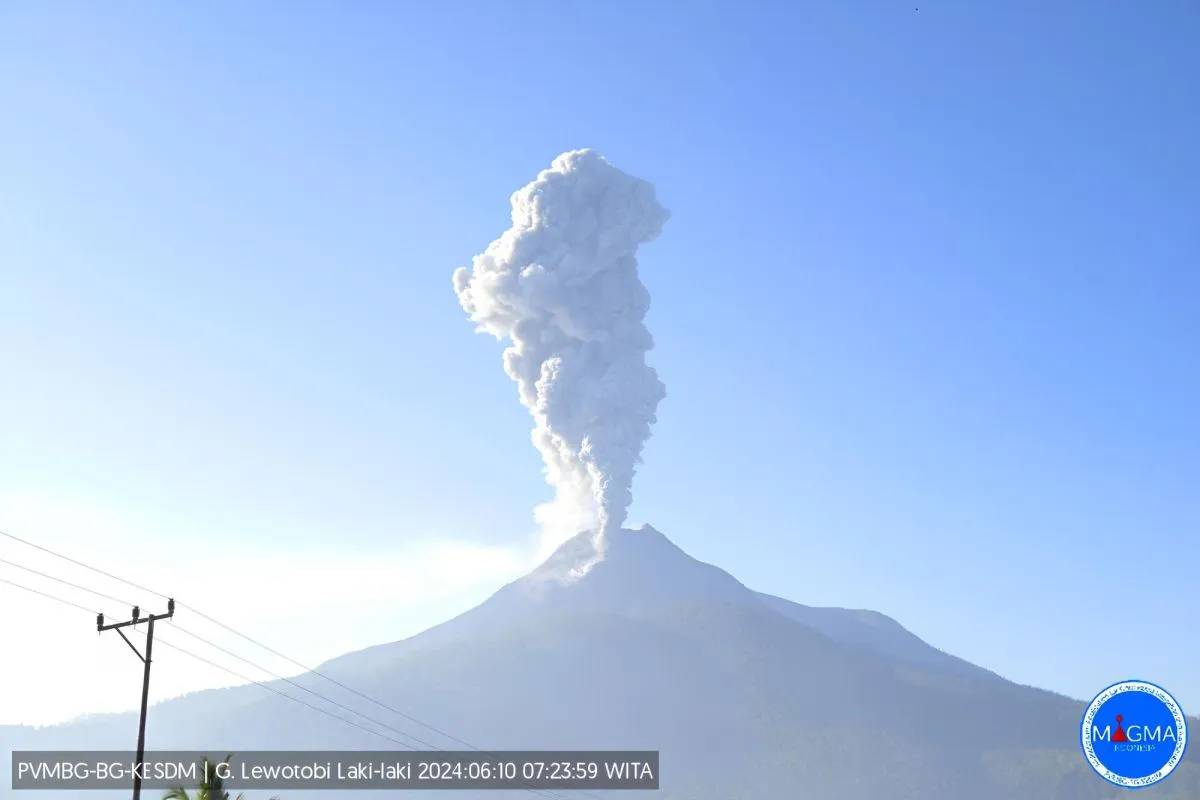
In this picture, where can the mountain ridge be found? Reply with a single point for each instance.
(646, 551)
(745, 694)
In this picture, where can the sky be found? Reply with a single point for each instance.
(926, 312)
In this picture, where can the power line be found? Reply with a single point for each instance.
(247, 678)
(334, 681)
(236, 674)
(50, 597)
(305, 688)
(81, 564)
(67, 583)
(340, 684)
(216, 646)
(253, 641)
(250, 639)
(273, 690)
(287, 680)
(308, 705)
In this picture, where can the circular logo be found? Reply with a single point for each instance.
(1134, 734)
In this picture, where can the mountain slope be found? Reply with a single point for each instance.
(746, 695)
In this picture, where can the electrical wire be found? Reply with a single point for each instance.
(216, 646)
(81, 564)
(273, 690)
(269, 688)
(303, 688)
(265, 647)
(236, 632)
(338, 683)
(50, 596)
(67, 583)
(247, 678)
(334, 681)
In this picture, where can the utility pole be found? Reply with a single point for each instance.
(145, 659)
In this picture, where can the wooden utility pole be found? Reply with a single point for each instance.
(137, 619)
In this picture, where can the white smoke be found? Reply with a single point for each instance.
(562, 285)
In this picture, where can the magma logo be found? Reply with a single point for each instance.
(1134, 734)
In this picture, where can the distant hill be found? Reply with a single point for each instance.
(747, 695)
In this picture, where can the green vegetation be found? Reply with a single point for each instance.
(211, 785)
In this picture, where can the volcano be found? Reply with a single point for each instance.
(745, 694)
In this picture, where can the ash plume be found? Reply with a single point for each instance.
(562, 286)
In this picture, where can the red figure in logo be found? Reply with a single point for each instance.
(1119, 733)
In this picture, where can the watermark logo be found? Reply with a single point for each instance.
(1134, 734)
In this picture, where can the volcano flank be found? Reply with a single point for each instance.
(745, 694)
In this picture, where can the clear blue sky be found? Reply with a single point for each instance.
(926, 309)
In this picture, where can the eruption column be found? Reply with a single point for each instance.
(561, 285)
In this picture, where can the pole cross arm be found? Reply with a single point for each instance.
(136, 620)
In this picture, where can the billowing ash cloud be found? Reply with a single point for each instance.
(562, 285)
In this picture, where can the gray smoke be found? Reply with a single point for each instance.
(562, 286)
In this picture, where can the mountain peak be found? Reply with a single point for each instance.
(627, 569)
(575, 557)
(638, 572)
